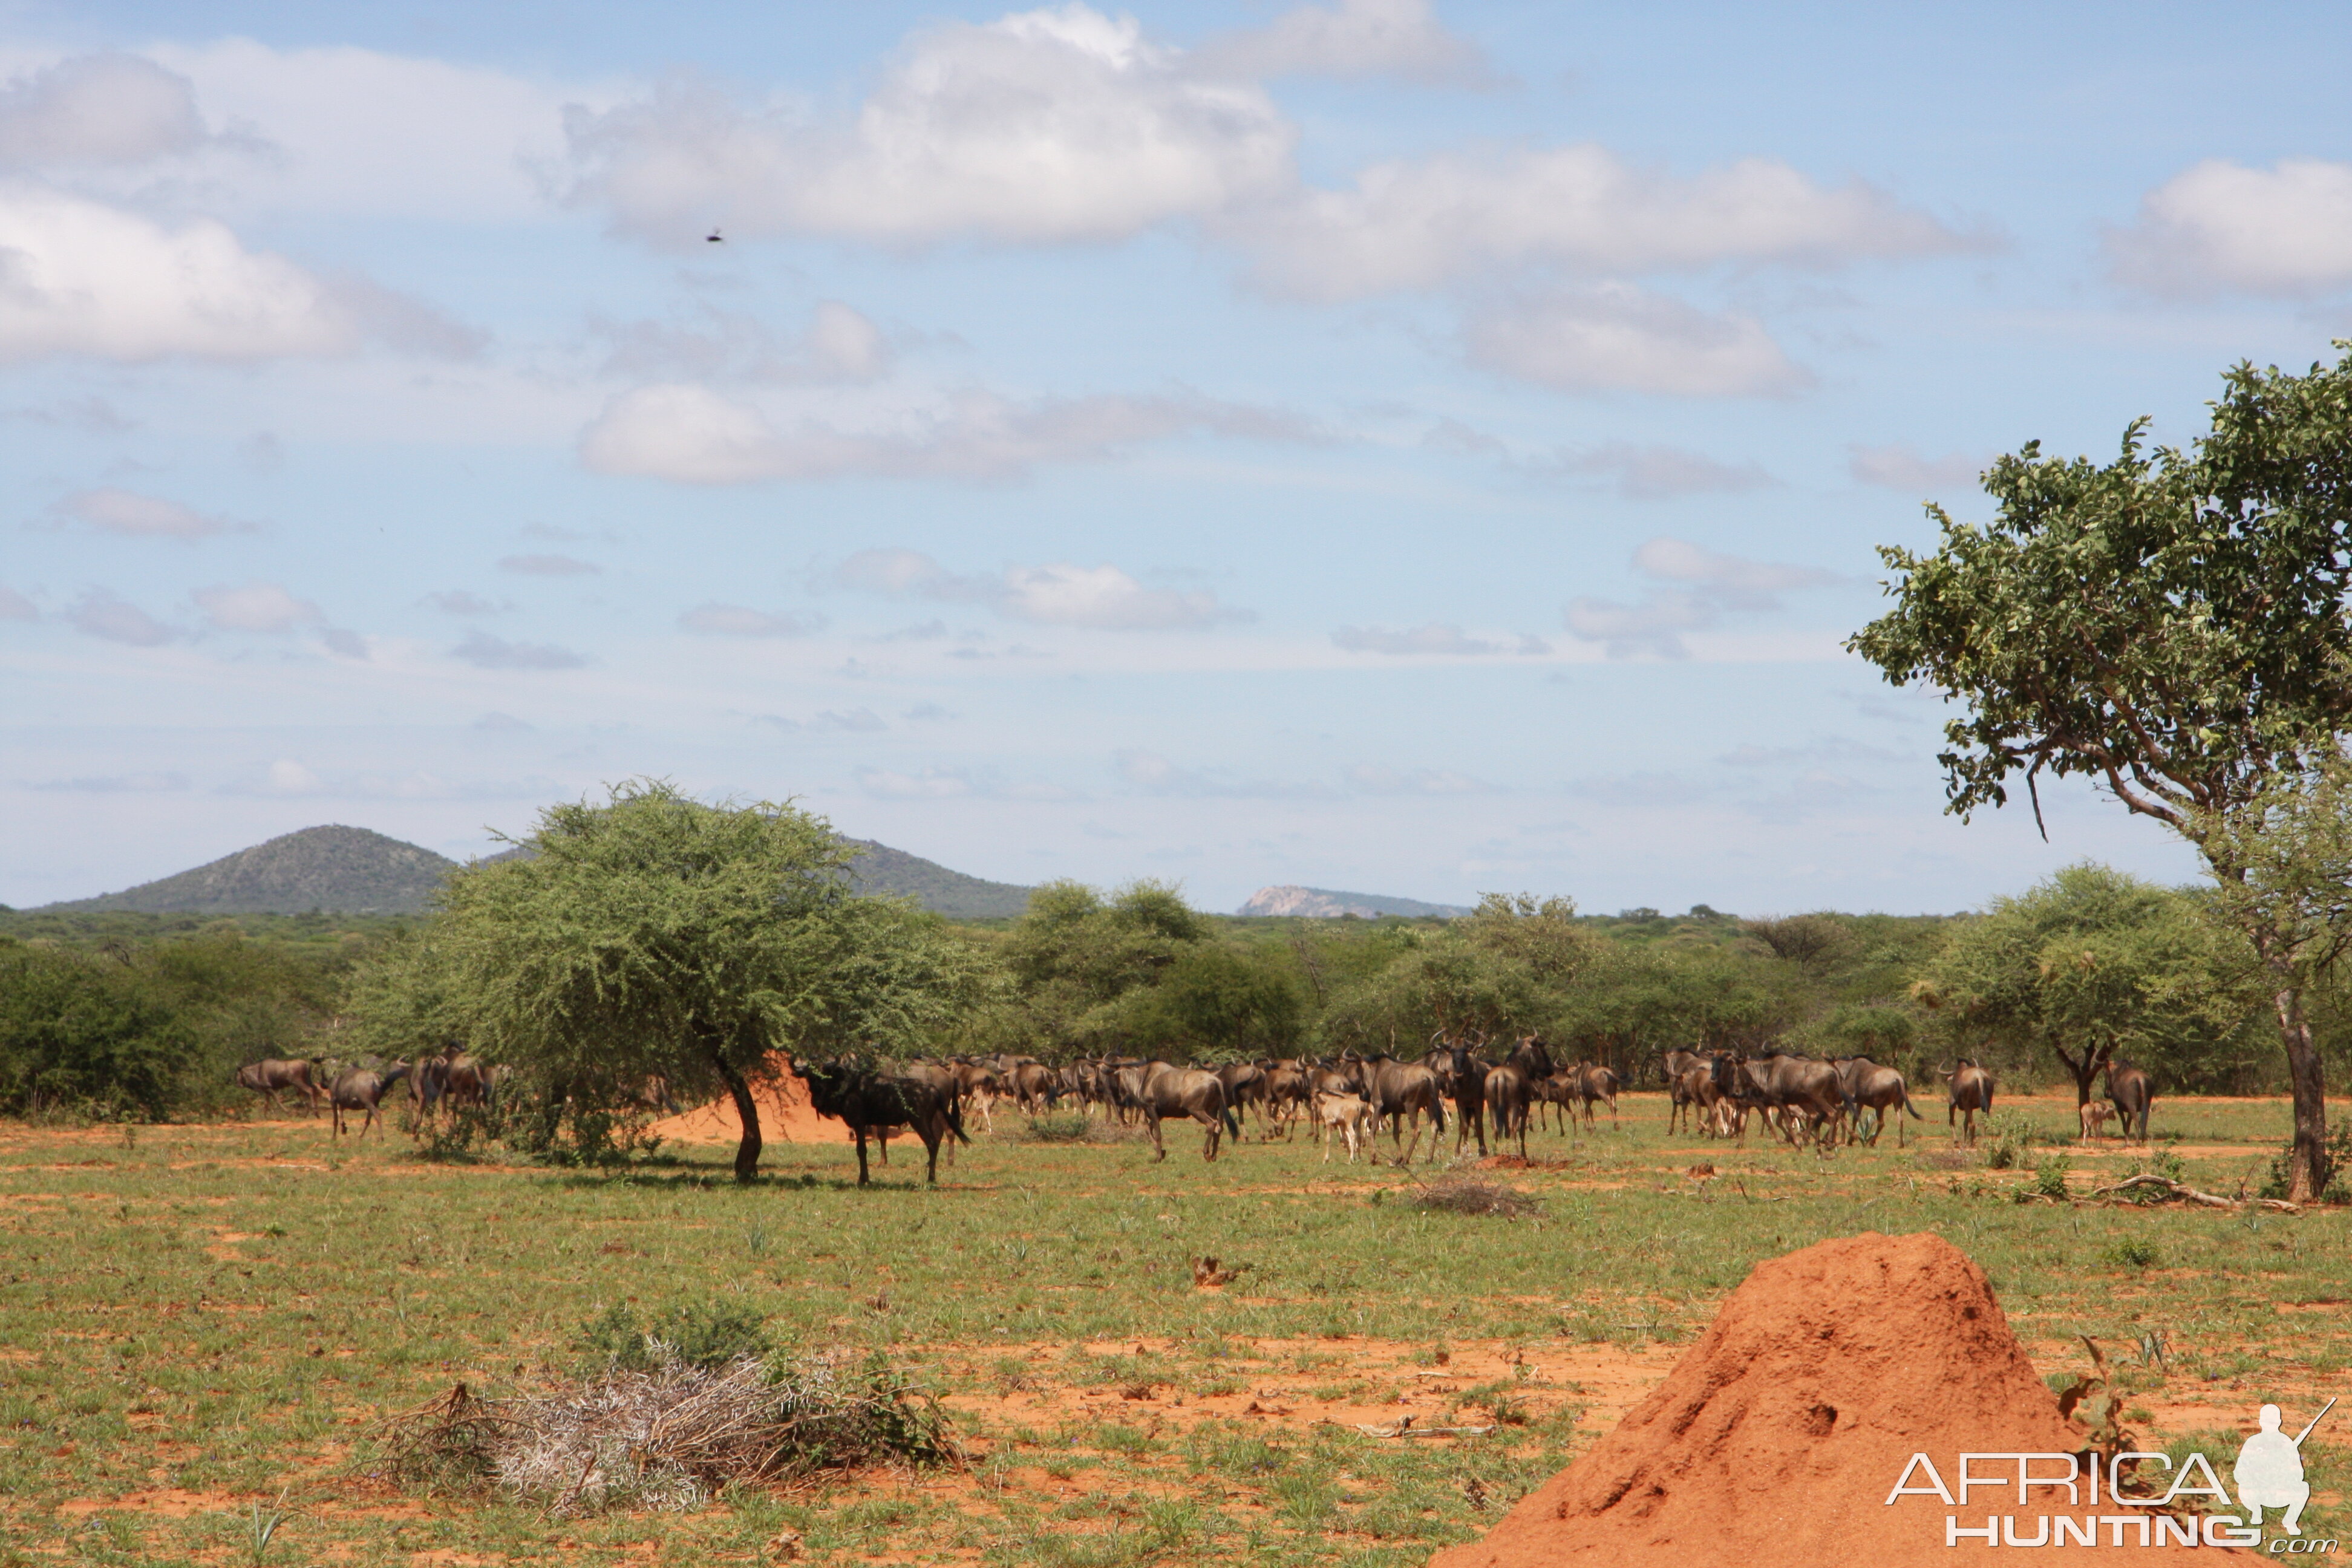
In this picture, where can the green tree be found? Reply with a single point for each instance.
(655, 933)
(87, 1031)
(2093, 958)
(2172, 624)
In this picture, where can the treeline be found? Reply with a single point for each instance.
(147, 1016)
(2089, 955)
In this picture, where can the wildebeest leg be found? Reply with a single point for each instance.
(882, 1137)
(859, 1128)
(929, 1132)
(1151, 1120)
(1216, 1130)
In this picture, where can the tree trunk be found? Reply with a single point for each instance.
(2307, 1169)
(747, 1112)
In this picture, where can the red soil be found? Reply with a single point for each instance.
(785, 1115)
(1779, 1439)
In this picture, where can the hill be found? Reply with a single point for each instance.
(1324, 903)
(344, 870)
(879, 868)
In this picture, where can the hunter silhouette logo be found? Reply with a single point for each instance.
(2268, 1474)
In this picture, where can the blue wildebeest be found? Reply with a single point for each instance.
(2133, 1093)
(362, 1089)
(1970, 1092)
(272, 1075)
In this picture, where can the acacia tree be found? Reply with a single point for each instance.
(657, 935)
(2174, 625)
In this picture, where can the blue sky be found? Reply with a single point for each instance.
(1404, 447)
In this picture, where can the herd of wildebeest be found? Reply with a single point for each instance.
(1345, 1099)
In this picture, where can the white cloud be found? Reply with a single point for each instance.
(137, 516)
(1152, 773)
(96, 109)
(1355, 39)
(100, 614)
(1654, 472)
(741, 621)
(487, 652)
(2284, 231)
(691, 434)
(77, 277)
(117, 784)
(1043, 126)
(15, 606)
(1899, 467)
(855, 720)
(1432, 637)
(255, 608)
(840, 346)
(356, 133)
(932, 783)
(549, 566)
(1614, 337)
(1413, 223)
(1058, 593)
(287, 776)
(1706, 584)
(343, 644)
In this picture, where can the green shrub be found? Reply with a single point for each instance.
(2006, 1149)
(2050, 1176)
(1058, 1127)
(85, 1033)
(2134, 1253)
(2339, 1166)
(696, 1333)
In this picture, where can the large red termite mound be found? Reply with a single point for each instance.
(1777, 1439)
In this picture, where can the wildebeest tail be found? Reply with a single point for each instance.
(954, 1103)
(1909, 1106)
(1233, 1123)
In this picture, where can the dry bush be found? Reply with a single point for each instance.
(1468, 1194)
(669, 1438)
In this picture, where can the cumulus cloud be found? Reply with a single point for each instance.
(1657, 472)
(1059, 593)
(1431, 638)
(15, 606)
(741, 621)
(840, 346)
(136, 516)
(255, 608)
(1614, 337)
(486, 652)
(100, 614)
(95, 110)
(1043, 126)
(2284, 231)
(78, 277)
(855, 720)
(1353, 39)
(1696, 587)
(1897, 467)
(691, 434)
(549, 566)
(1415, 223)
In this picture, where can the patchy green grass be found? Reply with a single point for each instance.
(194, 1322)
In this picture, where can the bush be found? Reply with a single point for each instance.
(2135, 1254)
(704, 1334)
(2339, 1166)
(1057, 1127)
(2006, 1149)
(2050, 1176)
(84, 1034)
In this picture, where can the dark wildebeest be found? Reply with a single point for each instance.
(1794, 1087)
(1970, 1092)
(872, 1102)
(270, 1075)
(1163, 1089)
(362, 1089)
(2133, 1093)
(1464, 1078)
(1881, 1088)
(1510, 1087)
(1397, 1090)
(1244, 1087)
(1285, 1093)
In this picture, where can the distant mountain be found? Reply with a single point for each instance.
(350, 870)
(879, 868)
(1323, 903)
(341, 871)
